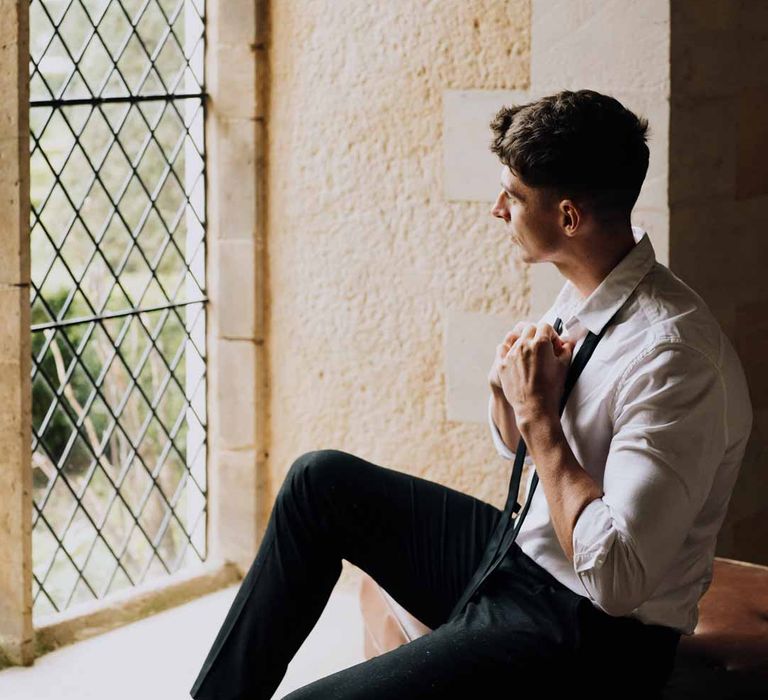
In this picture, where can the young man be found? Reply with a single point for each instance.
(636, 473)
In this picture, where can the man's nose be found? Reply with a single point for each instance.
(499, 210)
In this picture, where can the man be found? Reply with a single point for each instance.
(636, 473)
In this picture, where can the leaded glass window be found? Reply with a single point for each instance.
(118, 296)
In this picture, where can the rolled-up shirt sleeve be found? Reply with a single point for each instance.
(669, 436)
(500, 445)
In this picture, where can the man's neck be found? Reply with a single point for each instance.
(592, 260)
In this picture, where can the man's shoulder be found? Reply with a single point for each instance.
(677, 321)
(672, 314)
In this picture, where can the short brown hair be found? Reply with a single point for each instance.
(583, 145)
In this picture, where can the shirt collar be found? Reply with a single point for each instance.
(598, 308)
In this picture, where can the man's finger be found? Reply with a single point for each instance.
(544, 330)
(514, 334)
(529, 330)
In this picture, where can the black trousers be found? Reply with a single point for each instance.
(421, 541)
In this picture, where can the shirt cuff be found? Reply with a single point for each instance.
(500, 445)
(593, 535)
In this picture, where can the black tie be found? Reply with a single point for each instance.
(504, 535)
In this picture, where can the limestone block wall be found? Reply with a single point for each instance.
(718, 193)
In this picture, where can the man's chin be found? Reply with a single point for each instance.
(526, 257)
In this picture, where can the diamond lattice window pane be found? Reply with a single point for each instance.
(117, 231)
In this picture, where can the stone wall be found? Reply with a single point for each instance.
(718, 193)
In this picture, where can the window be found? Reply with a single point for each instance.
(118, 295)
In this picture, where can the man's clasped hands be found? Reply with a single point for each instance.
(530, 368)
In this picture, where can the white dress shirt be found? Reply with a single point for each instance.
(660, 418)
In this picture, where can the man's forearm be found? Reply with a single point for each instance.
(504, 418)
(568, 487)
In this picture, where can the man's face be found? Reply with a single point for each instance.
(531, 217)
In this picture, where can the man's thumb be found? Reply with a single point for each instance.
(566, 348)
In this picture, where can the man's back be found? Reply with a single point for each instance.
(659, 418)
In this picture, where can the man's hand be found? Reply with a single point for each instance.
(501, 351)
(532, 373)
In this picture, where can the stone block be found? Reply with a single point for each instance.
(656, 223)
(234, 522)
(470, 170)
(233, 178)
(545, 283)
(235, 394)
(14, 208)
(235, 302)
(751, 343)
(752, 144)
(14, 322)
(470, 341)
(614, 46)
(235, 86)
(237, 22)
(702, 17)
(702, 159)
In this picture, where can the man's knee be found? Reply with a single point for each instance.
(315, 468)
(318, 460)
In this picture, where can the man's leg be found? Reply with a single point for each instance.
(472, 655)
(523, 632)
(624, 653)
(420, 540)
(514, 637)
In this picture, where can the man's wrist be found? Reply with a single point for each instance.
(539, 424)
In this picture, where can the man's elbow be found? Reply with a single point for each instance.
(618, 607)
(617, 587)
